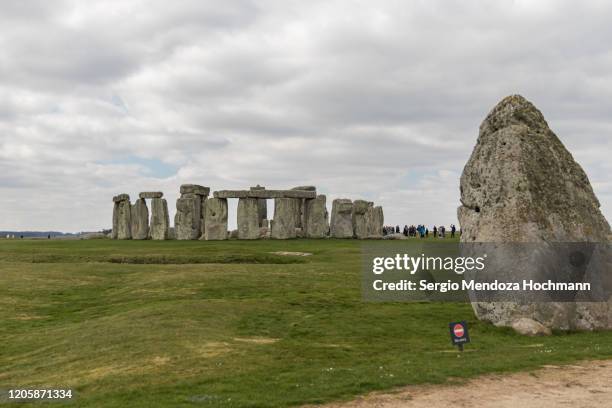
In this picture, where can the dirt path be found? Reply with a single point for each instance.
(586, 385)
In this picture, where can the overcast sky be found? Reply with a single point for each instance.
(378, 100)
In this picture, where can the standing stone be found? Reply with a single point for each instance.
(216, 219)
(375, 220)
(115, 230)
(189, 206)
(140, 219)
(521, 185)
(187, 218)
(283, 224)
(341, 219)
(300, 209)
(203, 218)
(262, 206)
(160, 220)
(248, 218)
(123, 214)
(316, 218)
(360, 227)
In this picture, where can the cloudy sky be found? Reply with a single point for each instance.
(364, 99)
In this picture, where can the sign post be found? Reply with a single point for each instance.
(459, 334)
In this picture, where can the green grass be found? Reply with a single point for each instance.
(156, 324)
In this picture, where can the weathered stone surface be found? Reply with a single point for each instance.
(522, 185)
(216, 219)
(375, 220)
(301, 207)
(140, 220)
(316, 218)
(195, 189)
(151, 194)
(248, 218)
(283, 224)
(160, 220)
(530, 327)
(187, 218)
(121, 197)
(265, 194)
(262, 206)
(360, 227)
(341, 225)
(123, 212)
(305, 188)
(203, 218)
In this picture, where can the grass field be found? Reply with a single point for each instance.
(191, 323)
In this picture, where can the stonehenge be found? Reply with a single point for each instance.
(298, 212)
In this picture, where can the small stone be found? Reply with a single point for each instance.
(530, 327)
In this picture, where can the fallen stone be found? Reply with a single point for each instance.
(195, 189)
(530, 327)
(140, 219)
(521, 185)
(341, 225)
(151, 194)
(216, 219)
(248, 218)
(268, 194)
(316, 218)
(283, 224)
(160, 220)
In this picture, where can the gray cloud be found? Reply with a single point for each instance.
(379, 100)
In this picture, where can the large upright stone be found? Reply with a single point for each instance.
(283, 224)
(187, 218)
(122, 217)
(521, 185)
(248, 218)
(160, 220)
(316, 219)
(262, 206)
(216, 219)
(375, 220)
(301, 205)
(203, 217)
(360, 227)
(140, 219)
(341, 225)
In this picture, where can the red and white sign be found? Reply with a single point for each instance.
(458, 330)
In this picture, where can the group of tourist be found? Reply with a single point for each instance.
(420, 231)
